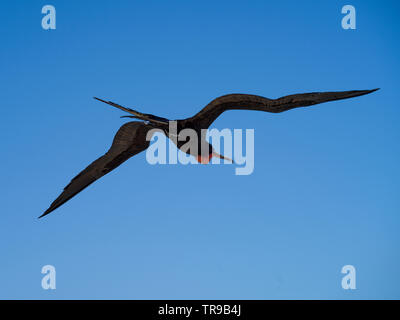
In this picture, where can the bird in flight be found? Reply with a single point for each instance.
(131, 137)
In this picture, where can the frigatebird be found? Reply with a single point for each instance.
(131, 137)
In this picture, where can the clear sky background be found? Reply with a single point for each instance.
(324, 192)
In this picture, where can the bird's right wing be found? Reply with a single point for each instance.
(128, 141)
(215, 108)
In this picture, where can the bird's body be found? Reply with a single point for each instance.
(131, 138)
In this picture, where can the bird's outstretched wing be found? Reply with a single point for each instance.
(213, 110)
(128, 141)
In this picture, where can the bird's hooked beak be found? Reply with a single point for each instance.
(217, 155)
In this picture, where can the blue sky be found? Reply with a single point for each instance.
(324, 192)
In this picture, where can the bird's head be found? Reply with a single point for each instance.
(205, 158)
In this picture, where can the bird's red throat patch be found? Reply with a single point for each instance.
(205, 159)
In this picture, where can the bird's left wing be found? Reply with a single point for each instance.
(213, 110)
(128, 141)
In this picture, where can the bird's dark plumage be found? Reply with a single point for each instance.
(213, 110)
(128, 141)
(131, 137)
